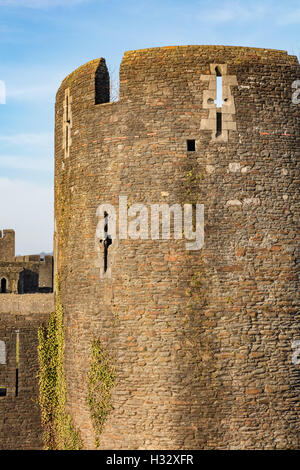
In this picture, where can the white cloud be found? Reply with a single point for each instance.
(44, 140)
(31, 93)
(27, 208)
(40, 3)
(13, 162)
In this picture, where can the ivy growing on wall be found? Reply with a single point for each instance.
(101, 379)
(59, 432)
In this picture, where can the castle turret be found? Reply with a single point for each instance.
(202, 340)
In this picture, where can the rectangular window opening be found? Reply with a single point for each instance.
(219, 124)
(2, 392)
(67, 138)
(107, 241)
(17, 361)
(17, 382)
(67, 122)
(191, 145)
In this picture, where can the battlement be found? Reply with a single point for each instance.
(142, 66)
(232, 53)
(28, 258)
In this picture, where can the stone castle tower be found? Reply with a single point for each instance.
(202, 340)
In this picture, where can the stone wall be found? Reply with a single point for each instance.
(46, 274)
(20, 277)
(201, 340)
(20, 318)
(7, 245)
(23, 274)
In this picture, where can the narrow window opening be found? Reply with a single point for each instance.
(67, 138)
(67, 110)
(2, 352)
(218, 101)
(191, 145)
(17, 361)
(3, 389)
(107, 241)
(17, 382)
(219, 92)
(219, 124)
(3, 287)
(67, 124)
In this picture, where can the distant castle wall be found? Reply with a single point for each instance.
(20, 318)
(46, 274)
(20, 419)
(23, 274)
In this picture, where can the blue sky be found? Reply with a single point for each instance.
(41, 41)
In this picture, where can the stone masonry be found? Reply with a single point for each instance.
(20, 419)
(201, 340)
(23, 274)
(26, 301)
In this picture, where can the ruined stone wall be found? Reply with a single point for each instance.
(21, 277)
(20, 318)
(46, 274)
(7, 245)
(201, 340)
(26, 274)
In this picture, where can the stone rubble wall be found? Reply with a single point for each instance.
(20, 418)
(201, 340)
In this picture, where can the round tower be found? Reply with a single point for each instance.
(203, 341)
